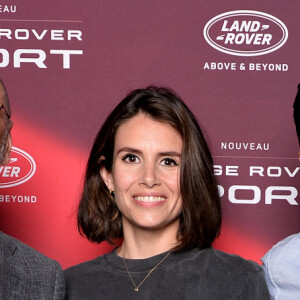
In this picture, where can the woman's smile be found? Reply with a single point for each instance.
(150, 200)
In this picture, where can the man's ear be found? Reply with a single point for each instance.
(107, 177)
(7, 150)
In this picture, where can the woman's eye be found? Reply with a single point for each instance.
(169, 162)
(130, 158)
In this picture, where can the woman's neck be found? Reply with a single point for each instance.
(142, 243)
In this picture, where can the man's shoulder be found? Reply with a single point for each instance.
(27, 273)
(11, 247)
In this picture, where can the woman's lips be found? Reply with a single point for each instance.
(149, 198)
(149, 201)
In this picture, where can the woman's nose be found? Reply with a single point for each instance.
(149, 176)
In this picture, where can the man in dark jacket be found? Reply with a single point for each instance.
(24, 272)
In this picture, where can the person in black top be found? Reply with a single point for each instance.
(150, 181)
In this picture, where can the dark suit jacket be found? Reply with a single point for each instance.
(27, 274)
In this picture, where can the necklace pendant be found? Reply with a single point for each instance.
(136, 289)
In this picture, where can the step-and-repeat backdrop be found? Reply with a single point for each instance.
(67, 63)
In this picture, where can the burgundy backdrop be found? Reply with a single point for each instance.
(67, 63)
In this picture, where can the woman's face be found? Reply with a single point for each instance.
(146, 173)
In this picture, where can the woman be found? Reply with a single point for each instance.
(150, 180)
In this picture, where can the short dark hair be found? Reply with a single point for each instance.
(99, 218)
(297, 113)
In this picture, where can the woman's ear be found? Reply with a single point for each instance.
(8, 147)
(106, 176)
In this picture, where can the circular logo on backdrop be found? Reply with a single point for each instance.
(245, 33)
(21, 168)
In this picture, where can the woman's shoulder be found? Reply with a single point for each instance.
(229, 257)
(228, 263)
(229, 272)
(86, 266)
(236, 259)
(97, 264)
(82, 280)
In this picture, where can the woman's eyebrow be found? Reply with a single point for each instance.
(129, 149)
(136, 151)
(170, 153)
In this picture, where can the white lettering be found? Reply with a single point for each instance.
(290, 198)
(224, 28)
(258, 38)
(66, 56)
(245, 146)
(217, 170)
(286, 193)
(54, 34)
(232, 194)
(57, 35)
(247, 38)
(39, 61)
(291, 174)
(274, 171)
(229, 170)
(229, 38)
(220, 66)
(39, 36)
(74, 34)
(221, 191)
(6, 172)
(6, 33)
(246, 26)
(232, 170)
(5, 58)
(15, 172)
(255, 26)
(268, 67)
(21, 34)
(257, 170)
(266, 40)
(8, 8)
(18, 199)
(206, 66)
(235, 26)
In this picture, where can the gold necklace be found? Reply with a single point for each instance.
(136, 287)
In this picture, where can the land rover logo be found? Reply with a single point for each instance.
(245, 33)
(20, 169)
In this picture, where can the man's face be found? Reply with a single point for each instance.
(5, 127)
